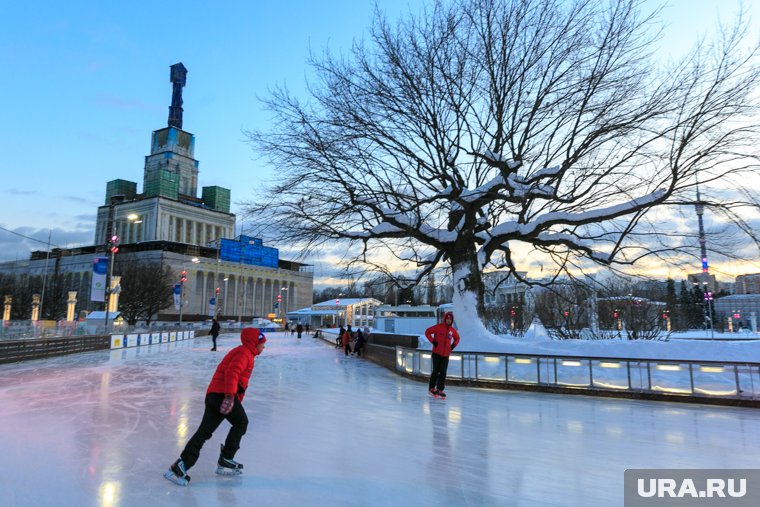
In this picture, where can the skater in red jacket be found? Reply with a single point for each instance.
(444, 338)
(224, 398)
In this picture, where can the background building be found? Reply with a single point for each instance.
(169, 223)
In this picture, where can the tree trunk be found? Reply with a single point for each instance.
(468, 296)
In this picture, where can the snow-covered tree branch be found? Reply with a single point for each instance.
(483, 128)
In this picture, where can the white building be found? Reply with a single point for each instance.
(169, 223)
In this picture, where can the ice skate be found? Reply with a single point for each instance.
(433, 392)
(227, 466)
(177, 473)
(442, 395)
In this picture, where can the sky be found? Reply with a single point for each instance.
(85, 83)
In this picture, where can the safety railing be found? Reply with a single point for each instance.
(699, 379)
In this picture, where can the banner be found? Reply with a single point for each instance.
(212, 307)
(177, 295)
(98, 286)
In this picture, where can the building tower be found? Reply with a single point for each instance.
(168, 208)
(706, 284)
(700, 209)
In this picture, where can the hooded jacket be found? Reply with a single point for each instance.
(444, 336)
(234, 372)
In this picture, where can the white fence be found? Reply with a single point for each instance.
(699, 379)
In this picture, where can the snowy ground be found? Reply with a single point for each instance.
(694, 345)
(99, 429)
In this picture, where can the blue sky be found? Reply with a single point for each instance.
(85, 83)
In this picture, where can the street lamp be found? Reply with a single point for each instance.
(707, 297)
(182, 280)
(226, 279)
(283, 306)
(112, 236)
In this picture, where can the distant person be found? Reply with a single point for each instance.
(299, 330)
(367, 333)
(308, 328)
(215, 327)
(444, 338)
(224, 400)
(339, 339)
(359, 342)
(347, 337)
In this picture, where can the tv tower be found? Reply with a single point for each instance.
(700, 208)
(706, 290)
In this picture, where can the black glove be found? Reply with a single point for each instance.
(453, 347)
(435, 343)
(226, 407)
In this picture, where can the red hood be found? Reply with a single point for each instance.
(250, 338)
(448, 314)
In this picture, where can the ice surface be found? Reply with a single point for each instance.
(100, 429)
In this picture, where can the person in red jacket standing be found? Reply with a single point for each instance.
(444, 338)
(224, 398)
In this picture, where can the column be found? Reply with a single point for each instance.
(71, 304)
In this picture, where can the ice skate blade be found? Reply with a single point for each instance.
(180, 481)
(228, 471)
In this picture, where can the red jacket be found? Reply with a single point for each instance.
(233, 373)
(346, 338)
(446, 337)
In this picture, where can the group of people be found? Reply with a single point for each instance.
(298, 329)
(352, 341)
(226, 391)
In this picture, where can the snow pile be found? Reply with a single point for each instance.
(537, 341)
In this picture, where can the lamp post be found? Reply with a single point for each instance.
(707, 298)
(283, 306)
(182, 280)
(708, 295)
(113, 247)
(226, 279)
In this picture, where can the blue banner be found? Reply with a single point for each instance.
(98, 286)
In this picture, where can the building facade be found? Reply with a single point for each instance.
(170, 224)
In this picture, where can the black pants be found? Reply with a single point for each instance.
(210, 422)
(347, 348)
(438, 373)
(213, 337)
(358, 348)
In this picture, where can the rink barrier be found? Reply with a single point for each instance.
(12, 351)
(721, 382)
(121, 341)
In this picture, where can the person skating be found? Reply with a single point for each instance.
(444, 338)
(214, 332)
(359, 342)
(348, 335)
(224, 400)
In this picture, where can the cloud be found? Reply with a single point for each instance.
(18, 243)
(18, 191)
(80, 200)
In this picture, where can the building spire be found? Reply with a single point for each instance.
(177, 76)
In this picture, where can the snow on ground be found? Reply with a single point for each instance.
(694, 345)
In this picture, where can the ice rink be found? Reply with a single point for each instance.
(100, 429)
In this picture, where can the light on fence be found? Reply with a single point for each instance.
(609, 365)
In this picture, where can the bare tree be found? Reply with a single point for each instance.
(146, 288)
(483, 131)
